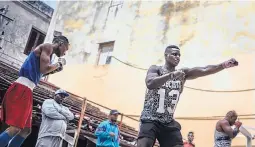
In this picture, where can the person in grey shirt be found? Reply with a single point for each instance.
(54, 121)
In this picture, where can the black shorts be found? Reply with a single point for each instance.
(168, 135)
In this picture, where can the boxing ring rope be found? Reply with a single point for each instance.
(132, 116)
(197, 89)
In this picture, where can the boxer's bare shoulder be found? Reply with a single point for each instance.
(47, 47)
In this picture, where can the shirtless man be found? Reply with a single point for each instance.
(224, 133)
(18, 100)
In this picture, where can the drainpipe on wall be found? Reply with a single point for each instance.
(49, 36)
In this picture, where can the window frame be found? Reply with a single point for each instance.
(100, 50)
(38, 34)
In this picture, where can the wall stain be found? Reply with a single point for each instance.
(187, 39)
(137, 11)
(184, 19)
(243, 34)
(213, 3)
(166, 11)
(186, 5)
(137, 6)
(74, 24)
(99, 5)
(108, 11)
(187, 19)
(85, 57)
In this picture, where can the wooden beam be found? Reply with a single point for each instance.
(84, 104)
(121, 120)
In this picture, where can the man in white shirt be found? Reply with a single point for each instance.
(54, 121)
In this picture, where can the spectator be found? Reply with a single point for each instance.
(108, 132)
(54, 121)
(189, 143)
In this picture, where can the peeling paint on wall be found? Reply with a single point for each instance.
(166, 11)
(186, 5)
(108, 10)
(74, 24)
(99, 5)
(185, 40)
(181, 23)
(136, 6)
(213, 3)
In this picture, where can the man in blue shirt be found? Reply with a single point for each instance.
(108, 132)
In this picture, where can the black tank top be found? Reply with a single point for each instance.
(160, 103)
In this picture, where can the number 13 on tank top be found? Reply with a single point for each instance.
(174, 94)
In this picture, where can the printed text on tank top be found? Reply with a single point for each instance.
(173, 88)
(160, 103)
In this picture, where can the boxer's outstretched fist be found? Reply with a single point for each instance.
(230, 63)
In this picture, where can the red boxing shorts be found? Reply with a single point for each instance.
(17, 106)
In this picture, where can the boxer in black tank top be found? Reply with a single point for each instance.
(164, 87)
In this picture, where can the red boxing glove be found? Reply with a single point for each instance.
(230, 63)
(238, 124)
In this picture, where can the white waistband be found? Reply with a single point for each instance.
(26, 82)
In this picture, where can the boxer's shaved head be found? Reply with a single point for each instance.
(231, 113)
(171, 47)
(231, 116)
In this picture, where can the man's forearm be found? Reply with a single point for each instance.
(53, 72)
(67, 113)
(212, 69)
(52, 68)
(235, 132)
(155, 82)
(51, 113)
(197, 72)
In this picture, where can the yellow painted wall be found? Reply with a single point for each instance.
(208, 32)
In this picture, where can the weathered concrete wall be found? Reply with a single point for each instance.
(17, 32)
(208, 32)
(158, 24)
